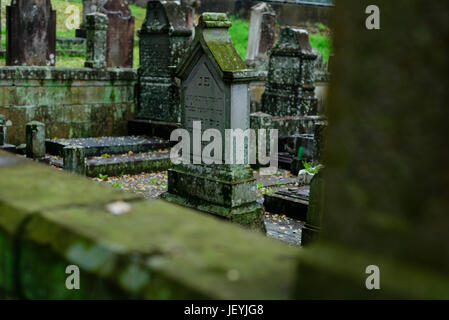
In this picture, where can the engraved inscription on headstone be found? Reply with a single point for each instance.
(204, 101)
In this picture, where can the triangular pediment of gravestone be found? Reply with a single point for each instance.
(213, 40)
(295, 42)
(165, 16)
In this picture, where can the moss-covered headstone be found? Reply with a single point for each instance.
(290, 87)
(89, 6)
(215, 91)
(96, 29)
(164, 38)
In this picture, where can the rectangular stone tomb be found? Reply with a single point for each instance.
(291, 201)
(116, 165)
(109, 145)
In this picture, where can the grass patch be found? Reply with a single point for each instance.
(238, 31)
(239, 35)
(322, 43)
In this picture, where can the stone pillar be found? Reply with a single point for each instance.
(164, 38)
(312, 227)
(260, 121)
(386, 193)
(31, 33)
(75, 159)
(35, 140)
(89, 6)
(96, 25)
(261, 36)
(215, 93)
(2, 129)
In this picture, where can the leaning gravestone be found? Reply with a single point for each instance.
(215, 92)
(261, 35)
(31, 33)
(120, 36)
(164, 38)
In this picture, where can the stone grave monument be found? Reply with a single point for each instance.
(164, 38)
(89, 6)
(31, 33)
(262, 34)
(120, 35)
(290, 94)
(96, 29)
(214, 91)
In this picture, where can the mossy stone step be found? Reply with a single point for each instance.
(108, 145)
(116, 165)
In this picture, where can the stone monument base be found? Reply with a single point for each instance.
(228, 193)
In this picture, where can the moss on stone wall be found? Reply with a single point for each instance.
(71, 102)
(51, 219)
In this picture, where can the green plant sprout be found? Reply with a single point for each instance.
(311, 168)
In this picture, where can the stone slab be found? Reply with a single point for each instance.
(109, 145)
(116, 165)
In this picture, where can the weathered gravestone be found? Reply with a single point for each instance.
(164, 38)
(386, 192)
(190, 7)
(31, 33)
(215, 92)
(262, 33)
(290, 94)
(96, 35)
(290, 86)
(89, 6)
(120, 36)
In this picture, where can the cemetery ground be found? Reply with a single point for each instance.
(152, 185)
(319, 34)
